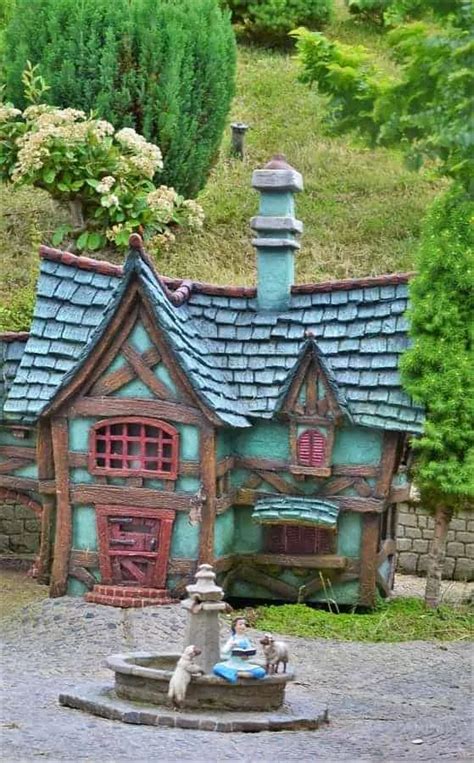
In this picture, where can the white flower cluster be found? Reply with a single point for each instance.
(112, 200)
(143, 157)
(8, 112)
(163, 200)
(105, 184)
(70, 126)
(195, 213)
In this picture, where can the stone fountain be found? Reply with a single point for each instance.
(140, 692)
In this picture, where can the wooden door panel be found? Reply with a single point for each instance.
(134, 545)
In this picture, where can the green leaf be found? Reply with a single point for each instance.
(60, 233)
(81, 242)
(49, 175)
(95, 241)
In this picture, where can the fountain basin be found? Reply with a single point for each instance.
(144, 676)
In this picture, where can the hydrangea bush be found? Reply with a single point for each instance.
(104, 175)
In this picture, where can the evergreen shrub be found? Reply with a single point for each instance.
(271, 20)
(164, 67)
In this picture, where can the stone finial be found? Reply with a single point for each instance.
(205, 588)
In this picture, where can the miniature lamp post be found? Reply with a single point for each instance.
(238, 138)
(204, 604)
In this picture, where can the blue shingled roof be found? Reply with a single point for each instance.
(11, 351)
(359, 332)
(307, 511)
(70, 304)
(239, 360)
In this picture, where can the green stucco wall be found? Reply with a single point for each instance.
(357, 445)
(185, 538)
(224, 534)
(84, 528)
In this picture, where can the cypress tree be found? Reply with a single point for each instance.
(438, 369)
(164, 67)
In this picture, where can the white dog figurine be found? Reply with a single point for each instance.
(181, 678)
(275, 652)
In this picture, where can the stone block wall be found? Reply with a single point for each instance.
(20, 528)
(414, 532)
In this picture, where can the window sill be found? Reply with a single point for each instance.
(311, 471)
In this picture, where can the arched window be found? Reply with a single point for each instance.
(311, 448)
(133, 446)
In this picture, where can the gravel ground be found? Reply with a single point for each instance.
(387, 702)
(452, 591)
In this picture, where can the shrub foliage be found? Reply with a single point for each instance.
(425, 106)
(271, 20)
(164, 67)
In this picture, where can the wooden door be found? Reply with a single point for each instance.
(134, 545)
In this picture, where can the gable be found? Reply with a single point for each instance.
(138, 370)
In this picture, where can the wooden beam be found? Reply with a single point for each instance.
(88, 559)
(389, 547)
(146, 315)
(311, 561)
(13, 463)
(18, 483)
(336, 485)
(63, 536)
(18, 451)
(45, 461)
(275, 465)
(130, 496)
(146, 375)
(224, 465)
(276, 586)
(387, 464)
(368, 559)
(399, 494)
(113, 381)
(47, 487)
(280, 484)
(208, 477)
(182, 566)
(82, 574)
(98, 406)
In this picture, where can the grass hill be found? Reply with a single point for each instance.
(361, 208)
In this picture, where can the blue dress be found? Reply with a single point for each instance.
(230, 668)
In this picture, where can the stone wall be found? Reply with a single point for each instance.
(20, 528)
(414, 532)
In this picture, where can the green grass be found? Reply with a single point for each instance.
(361, 208)
(392, 621)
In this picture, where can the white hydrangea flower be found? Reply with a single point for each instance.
(195, 213)
(163, 199)
(112, 200)
(8, 112)
(106, 184)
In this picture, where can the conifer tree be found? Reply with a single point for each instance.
(438, 370)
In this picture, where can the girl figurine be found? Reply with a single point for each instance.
(236, 653)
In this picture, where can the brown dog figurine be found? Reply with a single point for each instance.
(275, 652)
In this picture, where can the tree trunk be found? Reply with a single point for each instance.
(436, 556)
(77, 213)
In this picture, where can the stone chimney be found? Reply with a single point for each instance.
(276, 227)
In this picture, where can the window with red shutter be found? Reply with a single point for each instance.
(311, 448)
(298, 539)
(134, 447)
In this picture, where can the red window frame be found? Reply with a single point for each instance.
(299, 539)
(312, 448)
(117, 450)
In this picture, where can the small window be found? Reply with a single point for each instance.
(134, 447)
(311, 448)
(299, 539)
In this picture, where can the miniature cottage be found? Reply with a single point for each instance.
(154, 424)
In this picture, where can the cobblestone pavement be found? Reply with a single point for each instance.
(387, 702)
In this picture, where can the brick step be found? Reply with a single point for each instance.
(126, 602)
(133, 592)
